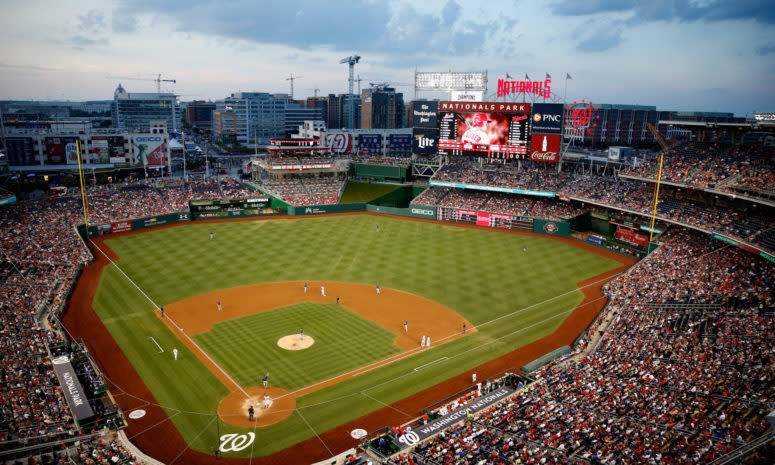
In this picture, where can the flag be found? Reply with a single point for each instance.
(508, 76)
(548, 76)
(567, 76)
(527, 78)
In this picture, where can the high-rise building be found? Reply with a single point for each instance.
(134, 111)
(199, 114)
(382, 108)
(260, 116)
(296, 114)
(339, 111)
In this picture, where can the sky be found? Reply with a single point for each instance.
(691, 55)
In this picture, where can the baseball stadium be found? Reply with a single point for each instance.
(483, 304)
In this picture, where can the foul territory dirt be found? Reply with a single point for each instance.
(155, 435)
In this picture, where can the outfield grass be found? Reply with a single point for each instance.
(481, 274)
(357, 192)
(344, 341)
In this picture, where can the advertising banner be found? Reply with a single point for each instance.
(412, 437)
(595, 240)
(631, 237)
(400, 143)
(545, 147)
(72, 389)
(151, 149)
(424, 114)
(339, 142)
(21, 151)
(121, 226)
(425, 141)
(116, 151)
(370, 144)
(555, 228)
(484, 129)
(99, 146)
(55, 151)
(423, 211)
(547, 118)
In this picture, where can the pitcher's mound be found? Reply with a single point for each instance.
(295, 342)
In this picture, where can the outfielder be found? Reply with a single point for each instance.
(301, 331)
(175, 353)
(211, 234)
(377, 289)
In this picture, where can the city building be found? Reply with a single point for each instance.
(259, 116)
(134, 111)
(296, 115)
(382, 108)
(199, 114)
(225, 126)
(339, 111)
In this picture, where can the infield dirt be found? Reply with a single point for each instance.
(158, 437)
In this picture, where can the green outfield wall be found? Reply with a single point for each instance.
(321, 209)
(378, 171)
(399, 197)
(554, 228)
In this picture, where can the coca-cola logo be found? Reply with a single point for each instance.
(339, 142)
(544, 156)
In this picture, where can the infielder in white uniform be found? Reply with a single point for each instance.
(477, 131)
(267, 401)
(175, 353)
(422, 343)
(323, 291)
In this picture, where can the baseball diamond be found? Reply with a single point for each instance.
(435, 276)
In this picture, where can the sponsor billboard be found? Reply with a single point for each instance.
(21, 151)
(545, 147)
(55, 150)
(151, 149)
(339, 142)
(370, 144)
(423, 211)
(71, 150)
(99, 147)
(547, 118)
(540, 88)
(121, 226)
(116, 151)
(400, 143)
(484, 129)
(424, 114)
(425, 141)
(631, 237)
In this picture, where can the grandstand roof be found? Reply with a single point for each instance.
(759, 126)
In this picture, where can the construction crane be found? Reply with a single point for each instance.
(158, 80)
(292, 78)
(658, 137)
(351, 61)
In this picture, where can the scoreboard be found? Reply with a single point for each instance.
(484, 129)
(227, 205)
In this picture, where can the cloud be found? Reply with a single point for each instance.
(80, 42)
(361, 26)
(124, 21)
(638, 11)
(767, 49)
(601, 40)
(92, 20)
(28, 67)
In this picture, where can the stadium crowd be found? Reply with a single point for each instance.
(683, 374)
(305, 191)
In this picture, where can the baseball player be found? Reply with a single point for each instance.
(377, 289)
(175, 353)
(464, 328)
(162, 312)
(428, 342)
(524, 249)
(220, 308)
(211, 234)
(337, 300)
(267, 401)
(265, 380)
(406, 326)
(305, 287)
(251, 412)
(422, 343)
(477, 131)
(301, 331)
(377, 228)
(473, 378)
(323, 291)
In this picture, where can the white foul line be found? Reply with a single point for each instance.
(431, 363)
(172, 321)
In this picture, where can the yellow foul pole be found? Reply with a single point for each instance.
(83, 187)
(656, 198)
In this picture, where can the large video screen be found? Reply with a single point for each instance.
(484, 129)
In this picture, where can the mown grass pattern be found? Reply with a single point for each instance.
(481, 274)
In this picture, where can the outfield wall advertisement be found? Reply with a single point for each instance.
(554, 228)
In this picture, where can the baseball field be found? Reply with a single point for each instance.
(361, 355)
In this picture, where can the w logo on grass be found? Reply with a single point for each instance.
(233, 442)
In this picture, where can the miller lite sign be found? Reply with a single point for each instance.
(425, 141)
(545, 147)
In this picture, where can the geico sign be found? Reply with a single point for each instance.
(148, 139)
(420, 211)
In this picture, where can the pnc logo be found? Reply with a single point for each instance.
(537, 117)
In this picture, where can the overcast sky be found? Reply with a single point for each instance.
(696, 55)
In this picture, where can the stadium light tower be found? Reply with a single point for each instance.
(351, 61)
